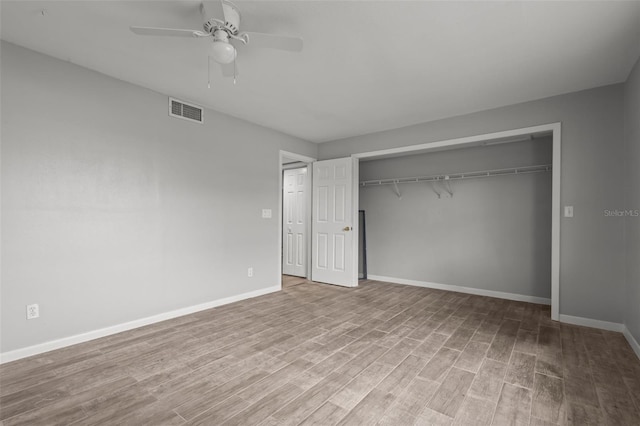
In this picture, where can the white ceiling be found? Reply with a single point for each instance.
(367, 66)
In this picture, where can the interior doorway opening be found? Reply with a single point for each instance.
(295, 174)
(295, 189)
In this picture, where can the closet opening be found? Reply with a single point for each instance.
(478, 215)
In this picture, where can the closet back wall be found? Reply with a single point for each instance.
(493, 234)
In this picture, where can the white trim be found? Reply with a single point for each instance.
(460, 141)
(556, 214)
(568, 319)
(555, 220)
(461, 289)
(355, 218)
(107, 331)
(632, 341)
(297, 157)
(593, 323)
(293, 166)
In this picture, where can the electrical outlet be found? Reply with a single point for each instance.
(33, 311)
(266, 213)
(250, 272)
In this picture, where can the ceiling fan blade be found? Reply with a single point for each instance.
(172, 32)
(229, 70)
(271, 41)
(211, 9)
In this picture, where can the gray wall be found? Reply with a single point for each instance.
(592, 259)
(632, 202)
(493, 234)
(113, 211)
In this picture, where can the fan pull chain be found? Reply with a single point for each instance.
(234, 71)
(208, 72)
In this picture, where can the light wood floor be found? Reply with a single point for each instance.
(318, 354)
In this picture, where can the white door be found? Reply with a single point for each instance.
(333, 223)
(294, 224)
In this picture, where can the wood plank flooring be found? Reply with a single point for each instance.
(317, 354)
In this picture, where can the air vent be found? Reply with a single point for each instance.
(185, 111)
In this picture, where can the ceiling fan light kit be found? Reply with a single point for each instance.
(222, 51)
(224, 32)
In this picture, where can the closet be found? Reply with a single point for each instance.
(476, 217)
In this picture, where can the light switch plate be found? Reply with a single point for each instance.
(266, 213)
(568, 211)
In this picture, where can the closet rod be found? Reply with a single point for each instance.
(460, 176)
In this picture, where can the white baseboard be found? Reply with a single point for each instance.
(569, 319)
(632, 341)
(593, 323)
(107, 331)
(461, 289)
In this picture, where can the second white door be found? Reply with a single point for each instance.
(294, 226)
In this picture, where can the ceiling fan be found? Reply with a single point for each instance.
(224, 32)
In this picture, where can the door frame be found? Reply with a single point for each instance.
(355, 216)
(308, 161)
(556, 134)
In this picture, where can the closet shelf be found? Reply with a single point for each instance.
(460, 176)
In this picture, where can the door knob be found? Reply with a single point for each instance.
(346, 228)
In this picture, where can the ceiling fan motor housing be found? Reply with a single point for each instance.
(232, 19)
(220, 35)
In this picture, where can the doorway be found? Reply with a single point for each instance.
(295, 189)
(294, 216)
